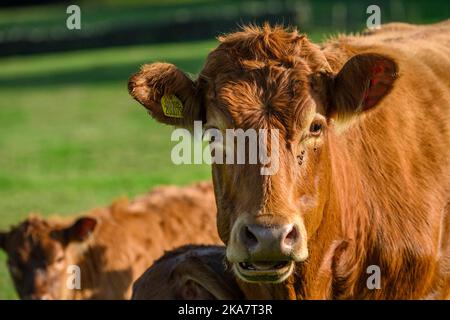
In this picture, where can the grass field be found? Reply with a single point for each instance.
(71, 138)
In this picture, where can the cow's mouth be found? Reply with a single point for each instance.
(264, 271)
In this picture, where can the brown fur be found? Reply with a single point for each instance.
(372, 187)
(188, 273)
(128, 237)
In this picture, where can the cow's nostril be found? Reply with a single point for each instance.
(269, 242)
(291, 237)
(249, 237)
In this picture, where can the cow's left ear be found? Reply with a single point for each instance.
(360, 85)
(80, 230)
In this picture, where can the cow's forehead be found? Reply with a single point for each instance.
(258, 88)
(261, 77)
(31, 236)
(259, 47)
(44, 250)
(269, 97)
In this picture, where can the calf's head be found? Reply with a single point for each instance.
(277, 81)
(190, 272)
(38, 257)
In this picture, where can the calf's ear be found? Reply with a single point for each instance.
(360, 85)
(80, 230)
(197, 281)
(193, 290)
(167, 93)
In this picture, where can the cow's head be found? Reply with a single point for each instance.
(273, 79)
(37, 255)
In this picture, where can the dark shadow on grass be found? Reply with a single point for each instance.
(91, 75)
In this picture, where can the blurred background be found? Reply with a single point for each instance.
(72, 139)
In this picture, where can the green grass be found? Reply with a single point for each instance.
(70, 135)
(71, 138)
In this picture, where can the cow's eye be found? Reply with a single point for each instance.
(316, 128)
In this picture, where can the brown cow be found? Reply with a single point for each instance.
(364, 156)
(111, 246)
(188, 273)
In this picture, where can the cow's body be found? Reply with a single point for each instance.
(391, 172)
(127, 238)
(390, 187)
(365, 182)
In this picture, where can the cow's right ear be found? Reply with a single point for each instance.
(361, 84)
(167, 93)
(3, 237)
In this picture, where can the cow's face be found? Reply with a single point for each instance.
(277, 81)
(38, 257)
(261, 215)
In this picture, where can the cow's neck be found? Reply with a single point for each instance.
(337, 248)
(83, 256)
(343, 222)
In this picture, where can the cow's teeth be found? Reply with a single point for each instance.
(262, 265)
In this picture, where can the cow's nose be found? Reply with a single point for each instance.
(270, 242)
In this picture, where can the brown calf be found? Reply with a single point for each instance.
(111, 246)
(188, 273)
(364, 156)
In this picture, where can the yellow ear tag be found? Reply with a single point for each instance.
(172, 106)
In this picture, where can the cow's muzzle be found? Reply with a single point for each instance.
(263, 253)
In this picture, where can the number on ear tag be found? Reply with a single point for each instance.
(172, 106)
